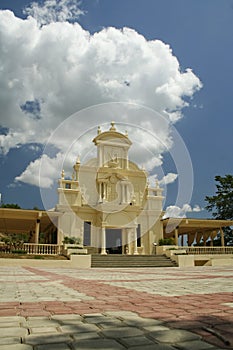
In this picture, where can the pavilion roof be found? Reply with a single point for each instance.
(187, 225)
(23, 221)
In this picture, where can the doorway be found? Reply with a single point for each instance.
(113, 241)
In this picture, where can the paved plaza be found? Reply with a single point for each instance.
(154, 308)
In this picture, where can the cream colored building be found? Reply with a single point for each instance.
(112, 195)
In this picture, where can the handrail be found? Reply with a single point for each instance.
(42, 249)
(207, 250)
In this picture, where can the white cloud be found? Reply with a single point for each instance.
(49, 173)
(174, 211)
(54, 11)
(168, 179)
(60, 68)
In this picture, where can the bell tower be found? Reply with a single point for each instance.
(112, 148)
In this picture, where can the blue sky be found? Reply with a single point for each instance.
(200, 35)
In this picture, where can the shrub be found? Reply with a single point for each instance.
(19, 251)
(71, 240)
(166, 241)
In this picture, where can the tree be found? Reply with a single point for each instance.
(11, 205)
(221, 204)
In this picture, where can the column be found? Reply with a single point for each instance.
(104, 191)
(222, 237)
(103, 241)
(122, 193)
(123, 240)
(176, 236)
(127, 237)
(100, 192)
(37, 231)
(126, 193)
(127, 161)
(135, 241)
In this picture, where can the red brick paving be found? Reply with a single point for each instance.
(191, 312)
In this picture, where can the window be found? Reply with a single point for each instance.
(87, 233)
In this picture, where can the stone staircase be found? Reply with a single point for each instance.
(118, 260)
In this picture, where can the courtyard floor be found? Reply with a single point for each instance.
(153, 308)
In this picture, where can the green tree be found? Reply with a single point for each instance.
(221, 204)
(10, 205)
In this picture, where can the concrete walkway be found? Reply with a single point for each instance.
(159, 309)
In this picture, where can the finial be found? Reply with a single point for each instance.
(99, 130)
(126, 133)
(62, 174)
(78, 160)
(113, 128)
(156, 182)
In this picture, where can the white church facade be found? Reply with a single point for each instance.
(112, 195)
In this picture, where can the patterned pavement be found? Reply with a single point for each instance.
(154, 308)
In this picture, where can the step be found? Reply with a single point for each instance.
(121, 261)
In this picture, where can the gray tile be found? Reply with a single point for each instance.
(39, 330)
(194, 345)
(58, 346)
(46, 339)
(69, 317)
(13, 332)
(107, 344)
(10, 340)
(112, 324)
(16, 347)
(98, 319)
(85, 336)
(136, 341)
(141, 322)
(79, 327)
(156, 328)
(174, 336)
(154, 347)
(5, 319)
(121, 332)
(40, 323)
(9, 324)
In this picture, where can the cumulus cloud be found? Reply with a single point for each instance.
(168, 179)
(52, 68)
(174, 211)
(54, 11)
(33, 176)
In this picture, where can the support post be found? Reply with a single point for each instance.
(135, 241)
(176, 236)
(122, 193)
(222, 237)
(123, 240)
(128, 241)
(37, 231)
(103, 241)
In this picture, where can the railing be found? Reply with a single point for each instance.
(207, 250)
(42, 249)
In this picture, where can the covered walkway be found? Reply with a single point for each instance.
(194, 230)
(31, 222)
